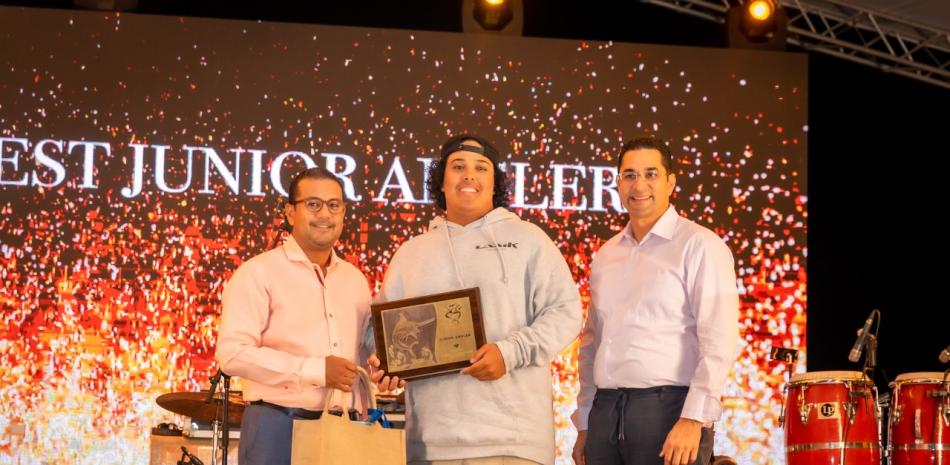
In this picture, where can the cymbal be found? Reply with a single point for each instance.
(192, 404)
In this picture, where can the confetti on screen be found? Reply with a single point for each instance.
(142, 159)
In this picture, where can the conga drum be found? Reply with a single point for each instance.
(832, 419)
(919, 426)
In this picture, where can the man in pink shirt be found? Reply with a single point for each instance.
(293, 322)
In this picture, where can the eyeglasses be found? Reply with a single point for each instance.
(315, 204)
(652, 174)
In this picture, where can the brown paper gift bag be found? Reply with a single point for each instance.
(333, 440)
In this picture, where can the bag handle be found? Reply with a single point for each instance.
(348, 397)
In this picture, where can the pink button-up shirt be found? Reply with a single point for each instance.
(283, 317)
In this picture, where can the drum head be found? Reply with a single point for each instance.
(829, 377)
(918, 377)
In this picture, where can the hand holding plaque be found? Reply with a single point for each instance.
(428, 335)
(487, 364)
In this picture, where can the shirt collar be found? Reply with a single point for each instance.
(664, 227)
(296, 254)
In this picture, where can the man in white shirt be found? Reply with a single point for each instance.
(662, 331)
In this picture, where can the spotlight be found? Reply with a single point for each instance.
(493, 16)
(760, 10)
(757, 24)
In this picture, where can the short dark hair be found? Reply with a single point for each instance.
(317, 172)
(648, 142)
(437, 171)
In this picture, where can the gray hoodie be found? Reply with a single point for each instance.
(531, 310)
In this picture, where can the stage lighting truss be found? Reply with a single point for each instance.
(853, 33)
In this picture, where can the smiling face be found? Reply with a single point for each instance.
(468, 185)
(316, 231)
(645, 185)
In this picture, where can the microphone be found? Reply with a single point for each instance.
(945, 355)
(855, 354)
(191, 457)
(214, 385)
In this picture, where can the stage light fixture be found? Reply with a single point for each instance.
(493, 16)
(758, 20)
(757, 24)
(760, 10)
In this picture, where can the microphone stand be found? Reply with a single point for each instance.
(789, 357)
(870, 365)
(870, 357)
(943, 399)
(226, 430)
(219, 426)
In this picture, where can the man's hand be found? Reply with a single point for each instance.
(383, 383)
(487, 364)
(578, 454)
(341, 373)
(682, 443)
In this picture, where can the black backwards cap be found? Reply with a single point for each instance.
(457, 144)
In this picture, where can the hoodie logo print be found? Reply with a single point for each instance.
(506, 245)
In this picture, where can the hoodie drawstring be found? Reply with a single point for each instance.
(458, 271)
(501, 256)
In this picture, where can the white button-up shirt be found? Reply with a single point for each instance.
(663, 311)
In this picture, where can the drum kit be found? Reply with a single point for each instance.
(197, 406)
(829, 417)
(211, 408)
(835, 417)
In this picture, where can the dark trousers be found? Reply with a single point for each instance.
(266, 433)
(265, 436)
(629, 426)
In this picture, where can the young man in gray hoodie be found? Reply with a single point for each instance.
(499, 409)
